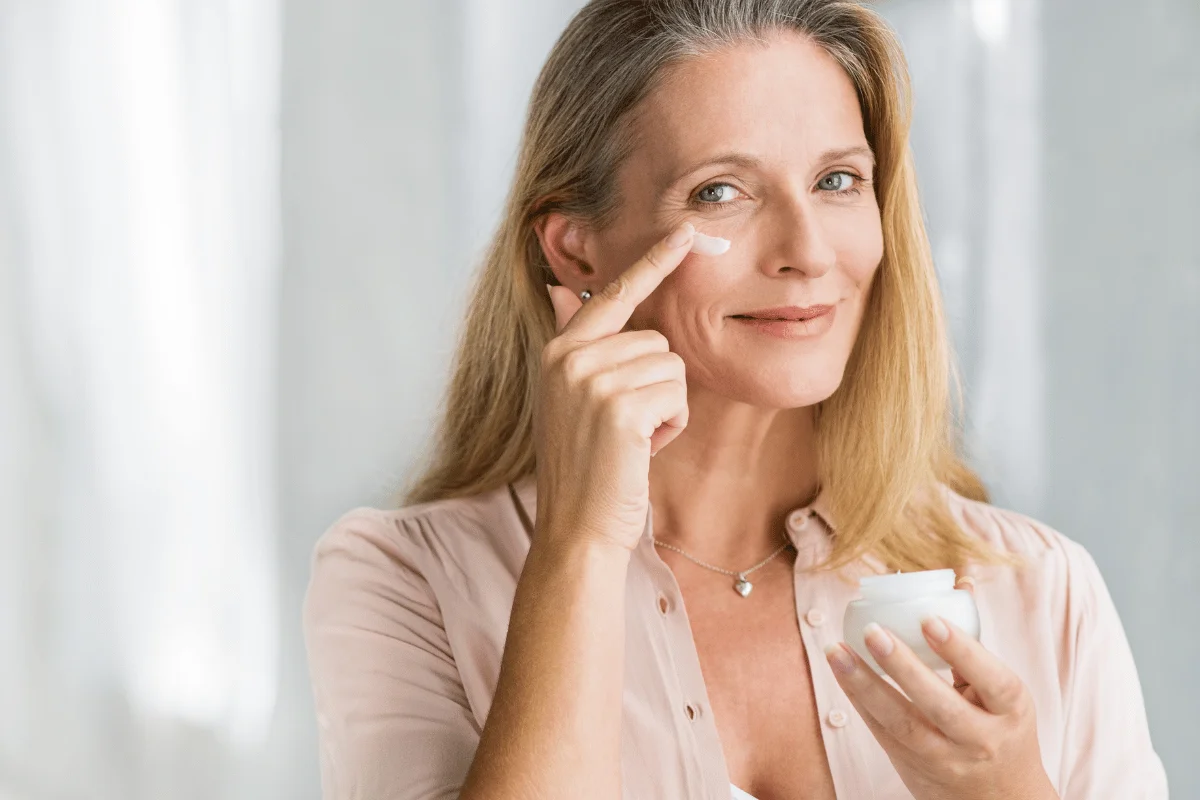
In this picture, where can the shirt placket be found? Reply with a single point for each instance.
(705, 757)
(821, 599)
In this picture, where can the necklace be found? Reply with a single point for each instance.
(740, 585)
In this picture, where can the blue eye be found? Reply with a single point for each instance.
(840, 183)
(716, 193)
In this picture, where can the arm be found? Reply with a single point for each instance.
(554, 726)
(1106, 744)
(393, 717)
(608, 400)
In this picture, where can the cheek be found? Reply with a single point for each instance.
(704, 280)
(860, 249)
(688, 296)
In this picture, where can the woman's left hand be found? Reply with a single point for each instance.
(978, 745)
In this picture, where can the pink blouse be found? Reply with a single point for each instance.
(407, 611)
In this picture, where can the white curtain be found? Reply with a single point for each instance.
(138, 264)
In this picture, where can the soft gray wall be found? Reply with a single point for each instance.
(1061, 174)
(1122, 338)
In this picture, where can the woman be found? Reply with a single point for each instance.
(624, 571)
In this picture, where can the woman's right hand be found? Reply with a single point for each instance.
(609, 399)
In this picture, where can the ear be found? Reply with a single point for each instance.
(563, 243)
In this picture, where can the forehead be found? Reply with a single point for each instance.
(783, 98)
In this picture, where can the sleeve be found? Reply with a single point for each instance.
(1107, 750)
(393, 717)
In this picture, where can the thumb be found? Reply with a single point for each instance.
(565, 305)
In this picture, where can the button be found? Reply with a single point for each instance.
(798, 520)
(837, 718)
(815, 617)
(691, 710)
(664, 604)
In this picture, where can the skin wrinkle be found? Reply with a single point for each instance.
(749, 162)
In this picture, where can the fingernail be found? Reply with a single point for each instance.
(879, 641)
(935, 629)
(839, 659)
(680, 235)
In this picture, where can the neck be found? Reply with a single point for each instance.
(722, 489)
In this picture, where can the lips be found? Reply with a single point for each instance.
(787, 313)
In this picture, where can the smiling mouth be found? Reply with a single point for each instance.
(790, 314)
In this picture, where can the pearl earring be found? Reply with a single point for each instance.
(585, 295)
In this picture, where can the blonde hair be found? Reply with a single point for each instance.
(886, 438)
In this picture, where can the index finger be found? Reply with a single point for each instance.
(998, 687)
(608, 311)
(949, 711)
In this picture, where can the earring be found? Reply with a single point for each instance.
(585, 295)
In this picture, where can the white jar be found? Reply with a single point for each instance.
(899, 602)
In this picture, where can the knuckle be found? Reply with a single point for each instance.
(654, 258)
(950, 712)
(551, 353)
(575, 366)
(676, 362)
(616, 290)
(959, 770)
(902, 727)
(986, 749)
(986, 752)
(658, 341)
(621, 412)
(601, 384)
(1012, 693)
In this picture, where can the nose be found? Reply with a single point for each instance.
(798, 242)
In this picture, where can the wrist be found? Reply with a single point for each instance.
(569, 541)
(1039, 789)
(559, 552)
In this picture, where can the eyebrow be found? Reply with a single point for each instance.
(750, 162)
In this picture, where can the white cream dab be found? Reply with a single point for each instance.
(709, 245)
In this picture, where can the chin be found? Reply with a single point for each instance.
(778, 387)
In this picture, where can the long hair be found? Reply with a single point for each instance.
(886, 439)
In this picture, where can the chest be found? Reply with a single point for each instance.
(758, 677)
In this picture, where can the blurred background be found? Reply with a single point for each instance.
(235, 242)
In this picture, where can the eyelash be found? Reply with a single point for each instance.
(859, 183)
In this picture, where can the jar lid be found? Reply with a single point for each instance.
(906, 585)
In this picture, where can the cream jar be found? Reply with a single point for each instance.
(899, 602)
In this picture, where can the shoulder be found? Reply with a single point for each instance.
(452, 540)
(1050, 574)
(403, 528)
(1010, 533)
(1052, 584)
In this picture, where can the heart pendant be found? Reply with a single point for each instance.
(743, 587)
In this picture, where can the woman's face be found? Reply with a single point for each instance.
(762, 145)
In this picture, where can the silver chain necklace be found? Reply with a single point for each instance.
(740, 585)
